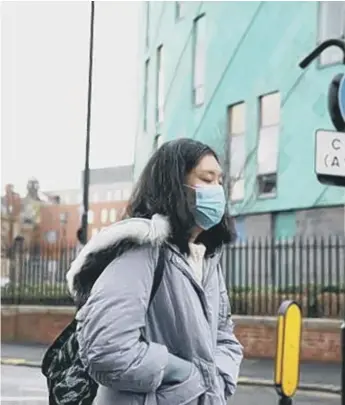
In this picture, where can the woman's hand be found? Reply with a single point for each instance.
(177, 370)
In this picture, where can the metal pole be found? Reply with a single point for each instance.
(84, 221)
(285, 401)
(343, 364)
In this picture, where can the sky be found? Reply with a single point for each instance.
(44, 80)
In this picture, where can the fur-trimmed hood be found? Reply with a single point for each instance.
(110, 243)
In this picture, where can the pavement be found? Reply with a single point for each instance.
(26, 386)
(320, 377)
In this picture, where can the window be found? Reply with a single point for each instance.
(109, 195)
(160, 87)
(331, 25)
(104, 216)
(51, 237)
(90, 217)
(268, 144)
(199, 60)
(112, 216)
(94, 231)
(236, 125)
(179, 9)
(63, 218)
(157, 142)
(146, 92)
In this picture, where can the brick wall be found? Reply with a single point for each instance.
(320, 337)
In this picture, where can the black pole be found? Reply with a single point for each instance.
(320, 48)
(82, 235)
(285, 401)
(343, 363)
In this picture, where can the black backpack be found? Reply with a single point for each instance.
(68, 381)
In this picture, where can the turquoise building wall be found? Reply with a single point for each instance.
(253, 48)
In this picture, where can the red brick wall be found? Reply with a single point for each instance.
(320, 337)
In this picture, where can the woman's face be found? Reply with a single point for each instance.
(207, 172)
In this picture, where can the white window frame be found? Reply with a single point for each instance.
(327, 29)
(160, 86)
(237, 182)
(199, 60)
(269, 130)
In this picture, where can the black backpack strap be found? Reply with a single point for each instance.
(158, 274)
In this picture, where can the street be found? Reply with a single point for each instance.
(26, 386)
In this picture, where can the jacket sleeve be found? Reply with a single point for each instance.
(229, 352)
(109, 337)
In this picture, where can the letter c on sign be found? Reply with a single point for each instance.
(336, 144)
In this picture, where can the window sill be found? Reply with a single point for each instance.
(267, 196)
(198, 105)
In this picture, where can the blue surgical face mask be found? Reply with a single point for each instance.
(209, 205)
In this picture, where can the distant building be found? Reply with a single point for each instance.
(109, 191)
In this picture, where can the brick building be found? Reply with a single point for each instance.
(109, 192)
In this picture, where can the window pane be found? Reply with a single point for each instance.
(332, 19)
(270, 109)
(331, 25)
(237, 156)
(237, 119)
(268, 150)
(109, 195)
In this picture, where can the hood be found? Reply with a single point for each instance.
(110, 243)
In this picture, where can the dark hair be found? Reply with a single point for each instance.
(161, 190)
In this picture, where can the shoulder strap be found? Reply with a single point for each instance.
(158, 274)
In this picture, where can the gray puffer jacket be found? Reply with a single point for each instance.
(112, 277)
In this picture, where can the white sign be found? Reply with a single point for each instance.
(330, 153)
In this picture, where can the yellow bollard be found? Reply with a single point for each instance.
(288, 347)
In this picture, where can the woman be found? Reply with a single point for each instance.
(180, 349)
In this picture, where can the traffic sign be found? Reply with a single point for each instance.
(341, 97)
(287, 364)
(330, 154)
